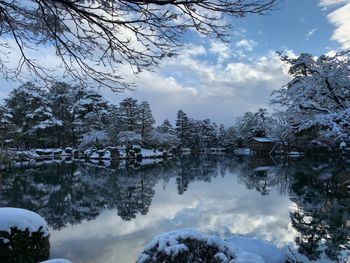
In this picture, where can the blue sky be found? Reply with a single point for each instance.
(212, 80)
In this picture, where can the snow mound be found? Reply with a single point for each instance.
(22, 219)
(59, 260)
(189, 245)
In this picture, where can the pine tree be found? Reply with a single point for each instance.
(62, 98)
(146, 119)
(182, 128)
(6, 129)
(90, 112)
(129, 114)
(222, 136)
(166, 127)
(32, 115)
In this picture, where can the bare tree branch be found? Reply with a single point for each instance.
(94, 38)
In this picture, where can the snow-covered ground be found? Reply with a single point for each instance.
(22, 219)
(234, 249)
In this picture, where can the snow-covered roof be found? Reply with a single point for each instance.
(263, 139)
(22, 219)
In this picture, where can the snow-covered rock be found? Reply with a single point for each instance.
(185, 245)
(22, 219)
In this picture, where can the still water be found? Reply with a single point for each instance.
(106, 214)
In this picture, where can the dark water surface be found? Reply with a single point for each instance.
(99, 214)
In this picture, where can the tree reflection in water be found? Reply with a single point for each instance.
(67, 193)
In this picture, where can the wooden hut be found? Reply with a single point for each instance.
(261, 146)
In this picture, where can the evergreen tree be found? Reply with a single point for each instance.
(6, 129)
(182, 128)
(62, 98)
(222, 136)
(146, 119)
(90, 112)
(166, 127)
(129, 114)
(32, 115)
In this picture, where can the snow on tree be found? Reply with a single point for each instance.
(146, 119)
(128, 138)
(162, 140)
(182, 127)
(317, 99)
(94, 139)
(6, 126)
(129, 114)
(31, 112)
(90, 111)
(252, 124)
(166, 127)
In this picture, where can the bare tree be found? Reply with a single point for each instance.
(93, 38)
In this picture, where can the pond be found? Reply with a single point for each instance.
(106, 214)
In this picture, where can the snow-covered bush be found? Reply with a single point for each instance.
(164, 140)
(24, 236)
(59, 260)
(191, 246)
(128, 138)
(186, 246)
(94, 139)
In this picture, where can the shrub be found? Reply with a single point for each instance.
(186, 246)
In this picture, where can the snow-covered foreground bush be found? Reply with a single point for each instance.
(24, 236)
(191, 246)
(60, 260)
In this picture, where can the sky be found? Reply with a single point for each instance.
(210, 79)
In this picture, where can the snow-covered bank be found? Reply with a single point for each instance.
(90, 153)
(187, 245)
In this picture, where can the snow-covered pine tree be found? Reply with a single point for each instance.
(146, 119)
(182, 128)
(90, 111)
(32, 115)
(166, 127)
(129, 115)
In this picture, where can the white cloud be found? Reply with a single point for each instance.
(247, 44)
(329, 3)
(205, 89)
(341, 19)
(221, 49)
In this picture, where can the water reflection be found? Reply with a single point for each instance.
(303, 202)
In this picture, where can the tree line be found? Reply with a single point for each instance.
(63, 115)
(314, 113)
